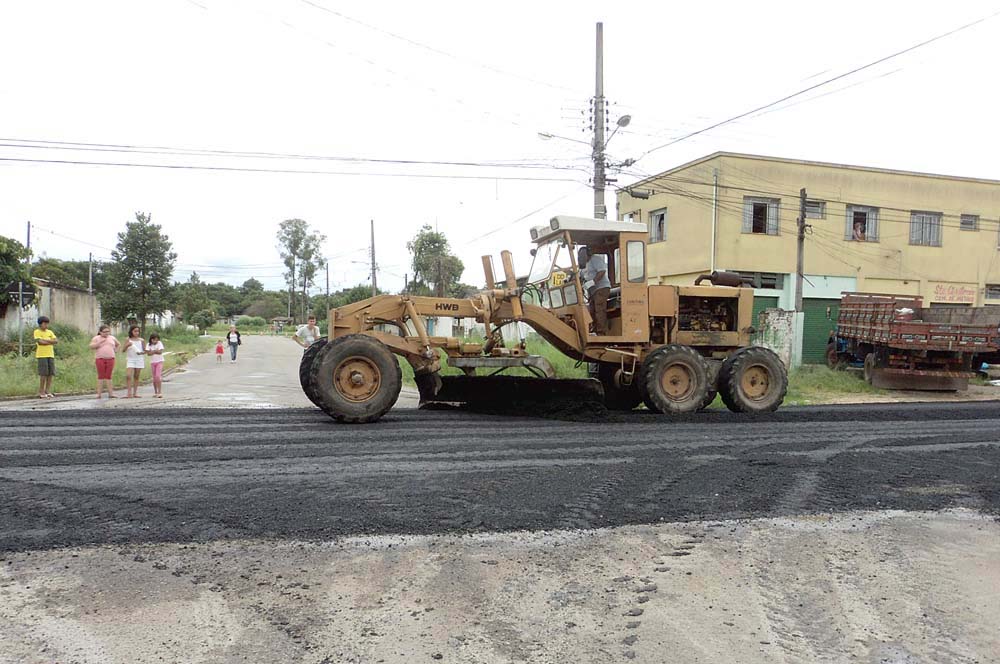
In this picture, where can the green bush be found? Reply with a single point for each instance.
(66, 332)
(251, 321)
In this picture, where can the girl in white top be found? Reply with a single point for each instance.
(155, 351)
(135, 349)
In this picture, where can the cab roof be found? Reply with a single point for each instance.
(584, 230)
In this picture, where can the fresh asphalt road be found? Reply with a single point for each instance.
(182, 475)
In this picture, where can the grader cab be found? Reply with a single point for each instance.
(670, 347)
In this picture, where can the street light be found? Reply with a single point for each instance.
(545, 136)
(623, 121)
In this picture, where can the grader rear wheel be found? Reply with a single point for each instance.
(753, 380)
(356, 379)
(675, 379)
(305, 370)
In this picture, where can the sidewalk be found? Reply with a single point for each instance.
(265, 375)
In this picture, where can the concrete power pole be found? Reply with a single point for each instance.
(801, 243)
(374, 272)
(20, 301)
(600, 210)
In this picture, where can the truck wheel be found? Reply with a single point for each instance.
(869, 370)
(617, 395)
(356, 379)
(833, 359)
(305, 369)
(674, 380)
(753, 380)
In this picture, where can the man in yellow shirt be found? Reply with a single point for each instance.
(45, 353)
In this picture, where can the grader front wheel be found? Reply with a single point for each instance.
(305, 370)
(618, 395)
(356, 379)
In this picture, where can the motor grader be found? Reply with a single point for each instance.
(670, 347)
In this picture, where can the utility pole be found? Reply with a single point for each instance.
(327, 283)
(801, 249)
(374, 274)
(600, 210)
(90, 273)
(291, 288)
(20, 300)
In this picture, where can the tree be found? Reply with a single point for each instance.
(269, 305)
(436, 271)
(202, 320)
(13, 267)
(300, 250)
(139, 276)
(71, 273)
(191, 297)
(227, 299)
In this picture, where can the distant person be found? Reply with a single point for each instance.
(859, 232)
(135, 361)
(45, 353)
(233, 337)
(219, 351)
(105, 346)
(155, 351)
(307, 334)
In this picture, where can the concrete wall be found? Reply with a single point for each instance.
(955, 272)
(776, 330)
(69, 307)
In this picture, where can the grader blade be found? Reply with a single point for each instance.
(512, 394)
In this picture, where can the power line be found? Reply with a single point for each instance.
(37, 144)
(820, 84)
(435, 50)
(239, 169)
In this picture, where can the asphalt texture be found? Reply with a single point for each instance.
(109, 477)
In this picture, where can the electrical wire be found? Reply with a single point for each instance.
(825, 82)
(240, 169)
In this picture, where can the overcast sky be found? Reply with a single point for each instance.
(445, 82)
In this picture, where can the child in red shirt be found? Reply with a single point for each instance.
(219, 350)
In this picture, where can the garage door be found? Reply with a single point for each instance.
(816, 328)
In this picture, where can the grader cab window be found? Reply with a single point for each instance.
(550, 275)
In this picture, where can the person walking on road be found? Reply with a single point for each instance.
(233, 337)
(155, 351)
(306, 335)
(45, 353)
(104, 346)
(135, 361)
(219, 351)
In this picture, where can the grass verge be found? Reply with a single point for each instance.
(75, 372)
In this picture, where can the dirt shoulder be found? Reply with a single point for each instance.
(888, 586)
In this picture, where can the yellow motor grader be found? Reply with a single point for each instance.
(672, 348)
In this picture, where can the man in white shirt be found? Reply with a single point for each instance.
(595, 274)
(306, 335)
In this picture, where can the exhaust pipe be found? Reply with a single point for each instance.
(722, 279)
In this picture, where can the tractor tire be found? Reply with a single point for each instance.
(674, 380)
(356, 379)
(870, 365)
(305, 370)
(753, 380)
(618, 396)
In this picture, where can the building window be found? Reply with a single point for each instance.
(763, 279)
(631, 217)
(925, 228)
(815, 210)
(993, 291)
(760, 215)
(658, 225)
(862, 224)
(969, 222)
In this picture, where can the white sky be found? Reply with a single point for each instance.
(285, 76)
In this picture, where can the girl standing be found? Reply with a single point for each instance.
(155, 351)
(219, 350)
(135, 362)
(104, 346)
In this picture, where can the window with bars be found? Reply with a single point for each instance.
(969, 222)
(760, 215)
(658, 225)
(993, 291)
(861, 224)
(763, 279)
(815, 210)
(925, 229)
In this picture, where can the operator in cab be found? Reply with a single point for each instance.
(594, 270)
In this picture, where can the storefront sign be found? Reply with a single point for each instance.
(953, 293)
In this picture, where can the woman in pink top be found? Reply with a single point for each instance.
(104, 346)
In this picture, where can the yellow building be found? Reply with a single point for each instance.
(869, 229)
